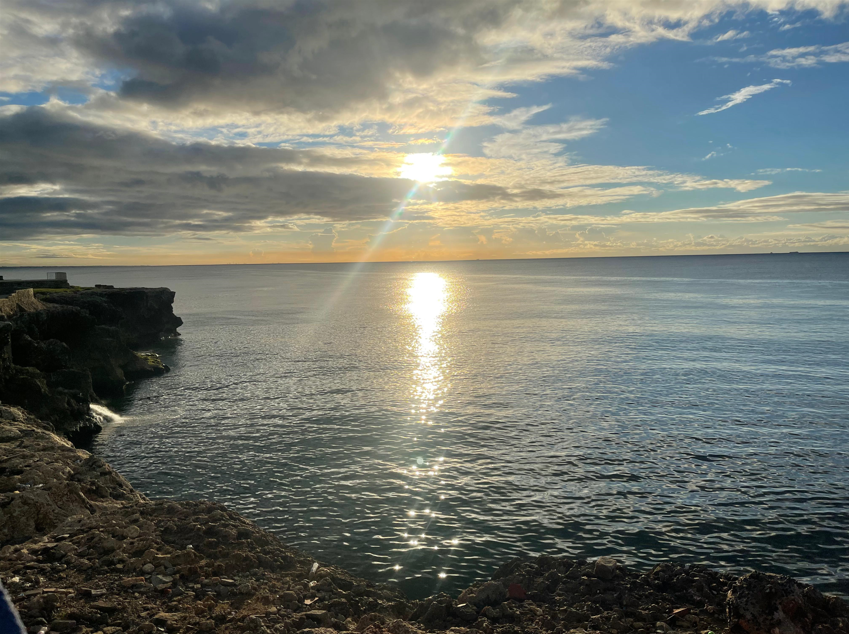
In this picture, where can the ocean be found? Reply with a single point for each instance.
(422, 423)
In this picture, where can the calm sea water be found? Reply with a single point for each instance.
(408, 421)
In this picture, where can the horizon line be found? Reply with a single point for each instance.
(581, 257)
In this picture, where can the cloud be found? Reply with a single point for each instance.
(323, 242)
(541, 139)
(797, 57)
(63, 176)
(412, 64)
(751, 210)
(744, 94)
(516, 119)
(827, 225)
(733, 34)
(781, 170)
(720, 151)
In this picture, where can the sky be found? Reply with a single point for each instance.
(173, 132)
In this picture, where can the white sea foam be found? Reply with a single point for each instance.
(105, 415)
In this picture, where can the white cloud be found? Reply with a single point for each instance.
(720, 151)
(751, 210)
(798, 57)
(828, 225)
(744, 94)
(733, 34)
(517, 118)
(541, 139)
(770, 171)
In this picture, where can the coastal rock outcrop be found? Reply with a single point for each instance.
(142, 315)
(62, 349)
(44, 479)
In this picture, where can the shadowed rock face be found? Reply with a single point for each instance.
(60, 351)
(142, 315)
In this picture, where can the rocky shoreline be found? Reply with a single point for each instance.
(63, 349)
(82, 552)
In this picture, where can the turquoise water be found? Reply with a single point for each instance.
(408, 421)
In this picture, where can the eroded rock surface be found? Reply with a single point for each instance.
(62, 350)
(44, 479)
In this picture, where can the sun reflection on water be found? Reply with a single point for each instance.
(427, 302)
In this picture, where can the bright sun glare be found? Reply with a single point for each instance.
(424, 168)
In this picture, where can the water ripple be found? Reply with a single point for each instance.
(439, 419)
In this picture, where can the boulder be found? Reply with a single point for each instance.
(489, 593)
(763, 603)
(605, 568)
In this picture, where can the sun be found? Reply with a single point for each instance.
(424, 168)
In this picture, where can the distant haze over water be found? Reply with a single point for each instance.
(410, 420)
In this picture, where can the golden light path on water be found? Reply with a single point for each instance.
(428, 301)
(427, 304)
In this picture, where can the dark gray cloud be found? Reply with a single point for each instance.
(257, 56)
(62, 176)
(305, 57)
(363, 58)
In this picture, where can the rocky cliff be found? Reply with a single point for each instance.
(62, 350)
